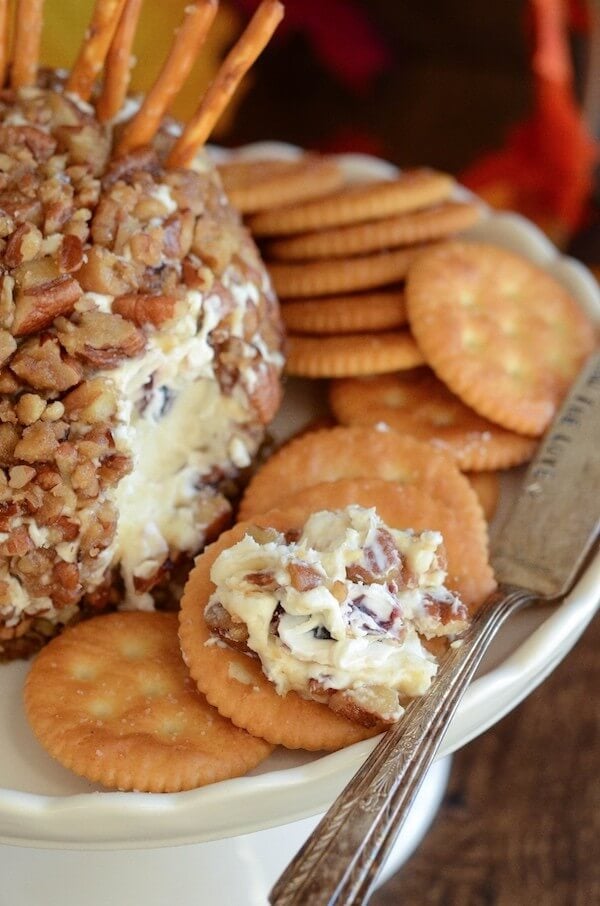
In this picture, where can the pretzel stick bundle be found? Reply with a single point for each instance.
(4, 48)
(28, 34)
(235, 66)
(118, 63)
(94, 49)
(192, 33)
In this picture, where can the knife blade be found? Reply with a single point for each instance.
(552, 525)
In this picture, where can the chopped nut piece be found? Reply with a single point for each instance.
(21, 476)
(178, 233)
(7, 304)
(40, 305)
(39, 363)
(17, 544)
(38, 444)
(70, 254)
(24, 245)
(29, 408)
(53, 412)
(265, 397)
(7, 225)
(220, 622)
(92, 402)
(262, 580)
(7, 346)
(35, 273)
(85, 480)
(85, 144)
(146, 248)
(9, 438)
(339, 591)
(124, 167)
(303, 577)
(8, 382)
(145, 309)
(103, 272)
(100, 338)
(262, 535)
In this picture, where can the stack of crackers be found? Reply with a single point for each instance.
(462, 345)
(338, 255)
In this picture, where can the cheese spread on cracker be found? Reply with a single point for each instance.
(340, 609)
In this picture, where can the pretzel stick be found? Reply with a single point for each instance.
(118, 63)
(189, 38)
(236, 64)
(28, 34)
(3, 40)
(88, 64)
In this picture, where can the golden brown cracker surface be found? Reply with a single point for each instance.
(418, 404)
(258, 185)
(341, 275)
(355, 452)
(357, 313)
(112, 700)
(410, 191)
(351, 354)
(500, 332)
(406, 229)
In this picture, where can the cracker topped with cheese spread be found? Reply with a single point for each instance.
(338, 611)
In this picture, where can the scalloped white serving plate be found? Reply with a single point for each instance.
(43, 805)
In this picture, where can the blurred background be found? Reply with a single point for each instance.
(502, 94)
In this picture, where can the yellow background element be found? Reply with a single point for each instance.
(65, 22)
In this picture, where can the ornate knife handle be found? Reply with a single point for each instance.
(339, 862)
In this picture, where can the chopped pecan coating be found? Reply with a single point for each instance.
(220, 622)
(100, 338)
(41, 363)
(37, 444)
(9, 438)
(29, 408)
(20, 476)
(266, 395)
(37, 307)
(142, 308)
(23, 245)
(103, 272)
(70, 254)
(7, 346)
(93, 402)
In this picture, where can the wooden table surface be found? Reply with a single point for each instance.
(520, 823)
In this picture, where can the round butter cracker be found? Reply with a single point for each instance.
(112, 700)
(258, 185)
(500, 332)
(351, 354)
(356, 313)
(410, 191)
(418, 404)
(355, 452)
(406, 229)
(330, 277)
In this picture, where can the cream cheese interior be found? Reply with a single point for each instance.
(344, 632)
(177, 425)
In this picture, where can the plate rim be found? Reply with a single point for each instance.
(121, 819)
